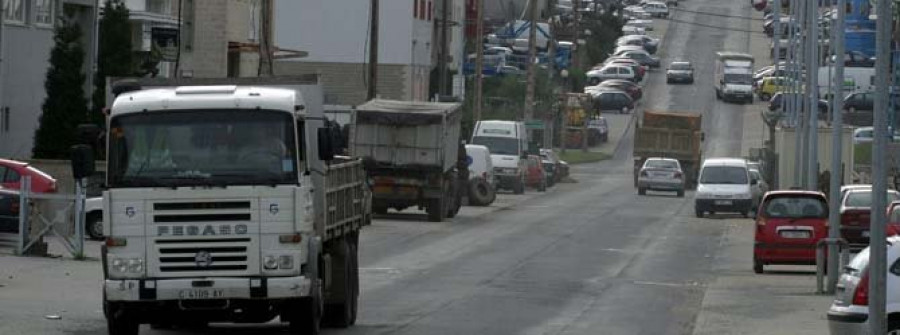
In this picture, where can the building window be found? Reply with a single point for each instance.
(43, 12)
(429, 11)
(422, 10)
(14, 11)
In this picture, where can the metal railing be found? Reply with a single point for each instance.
(42, 214)
(843, 249)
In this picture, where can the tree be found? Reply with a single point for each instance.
(114, 55)
(65, 105)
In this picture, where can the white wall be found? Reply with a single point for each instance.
(337, 31)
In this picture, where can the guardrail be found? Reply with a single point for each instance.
(843, 249)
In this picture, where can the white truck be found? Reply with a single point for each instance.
(508, 143)
(856, 79)
(225, 203)
(734, 76)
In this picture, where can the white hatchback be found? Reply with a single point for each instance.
(849, 313)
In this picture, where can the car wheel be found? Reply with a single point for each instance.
(698, 213)
(519, 188)
(745, 214)
(668, 81)
(681, 193)
(93, 225)
(642, 191)
(757, 266)
(852, 110)
(765, 96)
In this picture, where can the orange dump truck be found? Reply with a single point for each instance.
(677, 135)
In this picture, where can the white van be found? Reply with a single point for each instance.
(508, 143)
(724, 186)
(856, 79)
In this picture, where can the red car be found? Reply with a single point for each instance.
(893, 215)
(856, 207)
(788, 226)
(11, 173)
(535, 176)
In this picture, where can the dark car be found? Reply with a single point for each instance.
(598, 131)
(775, 103)
(9, 211)
(641, 56)
(612, 100)
(633, 89)
(856, 207)
(856, 59)
(859, 101)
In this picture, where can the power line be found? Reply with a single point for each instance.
(716, 14)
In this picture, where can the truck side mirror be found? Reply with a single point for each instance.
(326, 147)
(82, 161)
(88, 133)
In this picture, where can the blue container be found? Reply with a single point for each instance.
(860, 40)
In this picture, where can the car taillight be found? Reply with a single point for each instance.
(644, 174)
(861, 294)
(53, 186)
(678, 175)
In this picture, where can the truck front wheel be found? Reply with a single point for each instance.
(339, 307)
(119, 321)
(519, 187)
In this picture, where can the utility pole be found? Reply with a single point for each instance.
(791, 100)
(265, 39)
(576, 48)
(837, 94)
(776, 18)
(373, 51)
(95, 50)
(479, 58)
(812, 86)
(877, 247)
(442, 54)
(532, 55)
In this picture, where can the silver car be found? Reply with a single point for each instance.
(849, 313)
(661, 174)
(680, 72)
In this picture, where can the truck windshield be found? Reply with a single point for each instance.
(202, 148)
(738, 78)
(499, 145)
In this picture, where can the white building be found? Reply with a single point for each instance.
(336, 35)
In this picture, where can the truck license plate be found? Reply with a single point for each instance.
(723, 202)
(201, 293)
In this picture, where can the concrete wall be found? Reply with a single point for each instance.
(208, 57)
(343, 83)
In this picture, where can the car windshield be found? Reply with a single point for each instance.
(864, 198)
(680, 66)
(738, 78)
(202, 147)
(795, 207)
(661, 164)
(723, 175)
(498, 145)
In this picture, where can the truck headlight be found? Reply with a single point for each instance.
(270, 262)
(127, 265)
(286, 262)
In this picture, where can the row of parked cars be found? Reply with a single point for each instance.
(542, 170)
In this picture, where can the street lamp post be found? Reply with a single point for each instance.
(564, 75)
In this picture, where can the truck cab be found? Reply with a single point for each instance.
(216, 210)
(508, 143)
(734, 77)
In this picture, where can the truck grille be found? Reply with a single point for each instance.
(203, 238)
(227, 254)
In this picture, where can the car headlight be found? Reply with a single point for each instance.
(270, 262)
(742, 196)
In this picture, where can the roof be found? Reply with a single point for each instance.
(206, 97)
(381, 111)
(795, 192)
(725, 162)
(12, 162)
(661, 159)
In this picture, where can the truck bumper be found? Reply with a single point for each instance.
(507, 181)
(190, 289)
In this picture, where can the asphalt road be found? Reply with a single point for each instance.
(590, 257)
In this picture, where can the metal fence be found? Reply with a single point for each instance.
(44, 214)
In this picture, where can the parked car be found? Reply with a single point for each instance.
(634, 90)
(892, 227)
(776, 103)
(535, 176)
(661, 174)
(11, 173)
(856, 207)
(680, 72)
(859, 102)
(9, 211)
(642, 41)
(849, 312)
(611, 72)
(606, 99)
(551, 156)
(482, 181)
(656, 8)
(759, 189)
(855, 58)
(647, 24)
(788, 226)
(639, 70)
(632, 30)
(641, 56)
(770, 85)
(598, 130)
